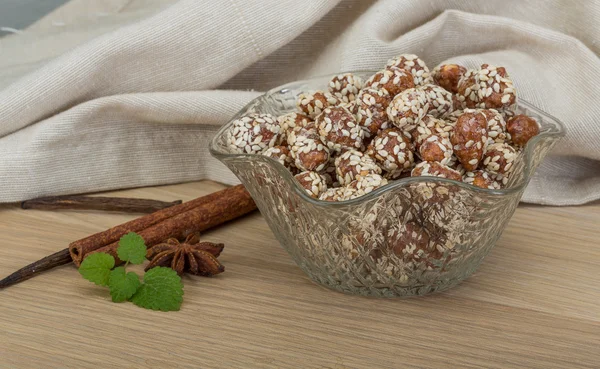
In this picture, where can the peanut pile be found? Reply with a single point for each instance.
(403, 121)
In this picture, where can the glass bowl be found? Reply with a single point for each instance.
(361, 246)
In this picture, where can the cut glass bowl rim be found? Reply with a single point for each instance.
(556, 130)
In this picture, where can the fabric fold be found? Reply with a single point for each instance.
(137, 105)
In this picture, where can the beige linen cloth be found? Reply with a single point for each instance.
(111, 94)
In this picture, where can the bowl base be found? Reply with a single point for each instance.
(387, 291)
(394, 291)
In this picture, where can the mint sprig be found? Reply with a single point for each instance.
(132, 248)
(96, 268)
(122, 284)
(161, 290)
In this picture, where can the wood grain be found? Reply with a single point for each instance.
(535, 302)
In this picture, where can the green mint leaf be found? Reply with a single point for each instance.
(96, 268)
(132, 248)
(122, 285)
(162, 290)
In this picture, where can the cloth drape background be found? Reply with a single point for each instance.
(101, 95)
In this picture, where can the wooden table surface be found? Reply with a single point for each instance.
(535, 302)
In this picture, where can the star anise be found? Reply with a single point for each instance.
(191, 255)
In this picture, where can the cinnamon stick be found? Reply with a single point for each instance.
(226, 199)
(178, 221)
(59, 258)
(230, 204)
(122, 204)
